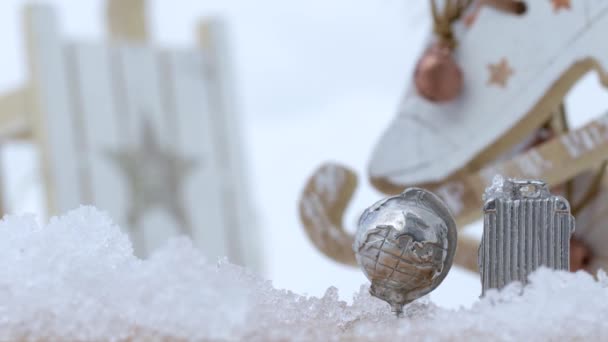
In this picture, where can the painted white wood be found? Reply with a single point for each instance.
(142, 89)
(143, 93)
(101, 102)
(194, 119)
(168, 91)
(426, 141)
(54, 115)
(240, 220)
(92, 65)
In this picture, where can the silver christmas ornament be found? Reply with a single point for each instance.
(405, 245)
(525, 227)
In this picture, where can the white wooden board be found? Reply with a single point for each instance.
(147, 135)
(427, 142)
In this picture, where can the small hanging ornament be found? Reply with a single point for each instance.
(438, 77)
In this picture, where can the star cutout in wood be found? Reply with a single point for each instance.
(560, 4)
(500, 73)
(156, 177)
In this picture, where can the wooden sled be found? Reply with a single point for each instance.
(147, 134)
(572, 161)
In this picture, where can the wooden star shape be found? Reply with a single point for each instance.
(560, 5)
(500, 73)
(156, 177)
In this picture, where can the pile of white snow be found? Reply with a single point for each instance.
(77, 279)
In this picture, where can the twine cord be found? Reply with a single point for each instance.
(442, 22)
(453, 11)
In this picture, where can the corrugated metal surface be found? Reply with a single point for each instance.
(522, 234)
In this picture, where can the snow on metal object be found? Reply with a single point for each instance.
(525, 227)
(439, 139)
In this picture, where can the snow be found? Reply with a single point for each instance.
(514, 188)
(76, 279)
(495, 190)
(300, 73)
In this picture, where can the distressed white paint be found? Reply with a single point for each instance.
(583, 141)
(316, 212)
(329, 181)
(240, 222)
(56, 133)
(532, 164)
(100, 125)
(195, 139)
(142, 88)
(426, 142)
(95, 99)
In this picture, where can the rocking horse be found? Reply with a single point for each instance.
(487, 98)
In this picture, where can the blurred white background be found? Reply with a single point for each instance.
(316, 80)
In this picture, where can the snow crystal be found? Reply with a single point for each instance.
(77, 279)
(495, 189)
(514, 188)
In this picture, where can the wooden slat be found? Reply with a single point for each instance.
(143, 92)
(14, 119)
(126, 20)
(239, 223)
(555, 161)
(100, 128)
(53, 126)
(203, 189)
(144, 106)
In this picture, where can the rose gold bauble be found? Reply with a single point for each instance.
(580, 255)
(438, 78)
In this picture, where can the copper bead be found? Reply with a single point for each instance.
(438, 78)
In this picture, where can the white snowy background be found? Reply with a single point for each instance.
(317, 80)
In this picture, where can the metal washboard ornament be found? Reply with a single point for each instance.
(405, 245)
(525, 227)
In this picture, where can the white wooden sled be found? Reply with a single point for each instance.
(517, 69)
(147, 134)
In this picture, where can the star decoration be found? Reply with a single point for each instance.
(500, 73)
(156, 177)
(560, 4)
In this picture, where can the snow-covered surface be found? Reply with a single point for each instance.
(317, 80)
(77, 279)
